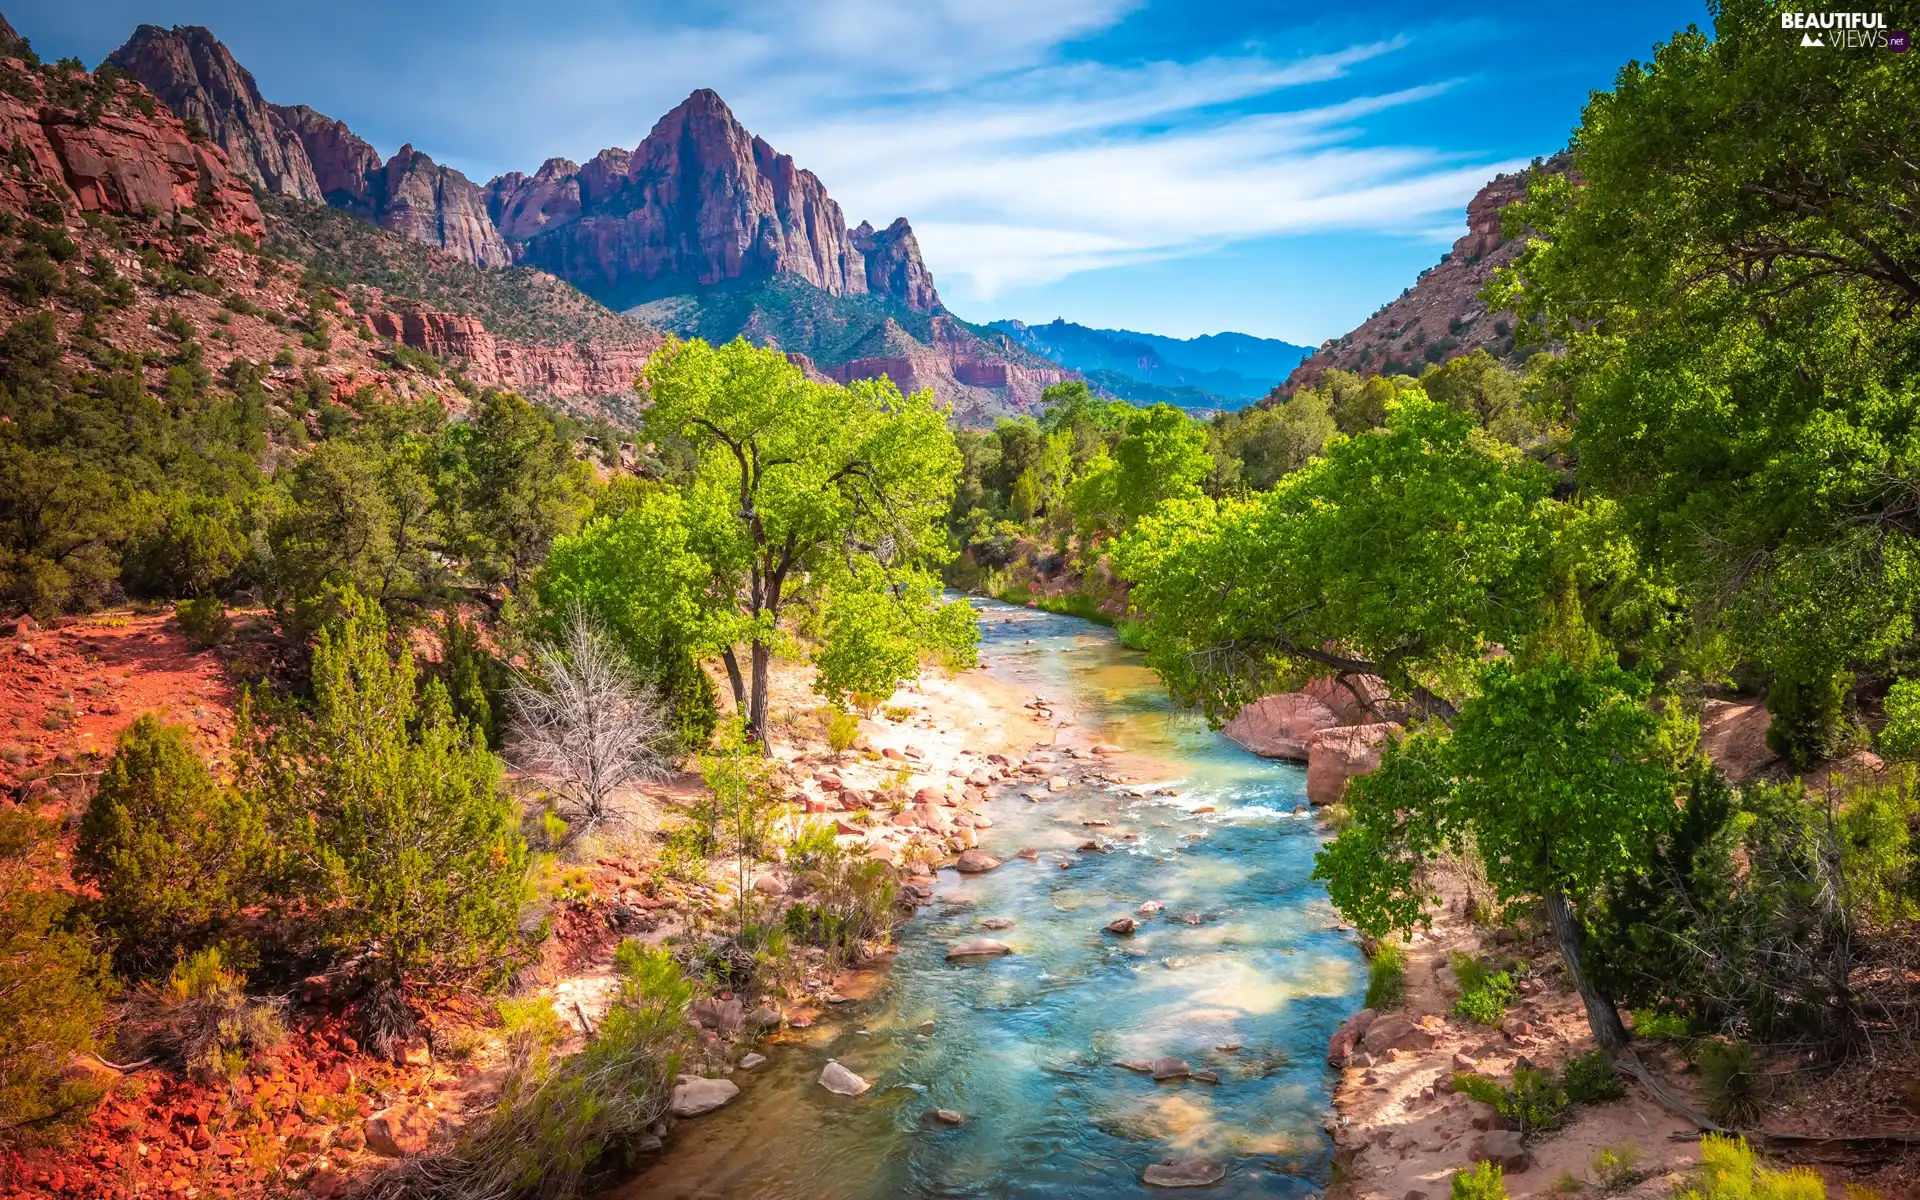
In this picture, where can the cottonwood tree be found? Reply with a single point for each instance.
(797, 487)
(590, 724)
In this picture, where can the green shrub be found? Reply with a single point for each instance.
(204, 620)
(1729, 1170)
(843, 730)
(532, 1031)
(808, 847)
(689, 695)
(392, 818)
(1591, 1079)
(173, 854)
(1732, 1082)
(202, 1021)
(1809, 719)
(555, 1123)
(1484, 994)
(1534, 1102)
(476, 680)
(1659, 1026)
(1617, 1168)
(1483, 1182)
(52, 989)
(852, 904)
(1387, 977)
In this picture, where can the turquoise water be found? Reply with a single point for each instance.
(1248, 951)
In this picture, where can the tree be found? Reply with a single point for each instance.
(1403, 552)
(1733, 274)
(793, 476)
(391, 818)
(515, 486)
(874, 635)
(1558, 774)
(1162, 456)
(173, 853)
(52, 986)
(590, 724)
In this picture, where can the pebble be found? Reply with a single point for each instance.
(840, 1081)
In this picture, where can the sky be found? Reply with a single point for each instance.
(1171, 166)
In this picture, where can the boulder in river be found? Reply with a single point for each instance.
(1171, 1068)
(1149, 907)
(973, 862)
(1123, 926)
(751, 1060)
(840, 1081)
(978, 948)
(693, 1095)
(946, 1116)
(1279, 726)
(1184, 1172)
(997, 923)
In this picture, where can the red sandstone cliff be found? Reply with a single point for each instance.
(196, 76)
(701, 201)
(576, 369)
(341, 162)
(1441, 316)
(122, 162)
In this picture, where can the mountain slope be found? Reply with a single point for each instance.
(1441, 316)
(1227, 369)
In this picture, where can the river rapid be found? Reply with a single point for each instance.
(1248, 954)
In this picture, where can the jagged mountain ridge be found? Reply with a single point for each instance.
(702, 226)
(1222, 370)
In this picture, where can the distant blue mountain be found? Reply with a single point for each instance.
(1227, 369)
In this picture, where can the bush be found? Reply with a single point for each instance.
(173, 854)
(1617, 1168)
(557, 1125)
(1809, 720)
(1659, 1026)
(52, 988)
(204, 621)
(689, 695)
(392, 818)
(201, 1020)
(852, 905)
(1590, 1079)
(476, 680)
(1729, 1170)
(1387, 977)
(1484, 1182)
(1731, 1082)
(1534, 1102)
(1484, 995)
(843, 730)
(532, 1030)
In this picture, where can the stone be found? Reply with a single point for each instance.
(400, 1131)
(997, 923)
(750, 1060)
(694, 1096)
(1143, 1066)
(1149, 907)
(1183, 1172)
(770, 885)
(1397, 1031)
(1108, 748)
(1503, 1148)
(946, 1116)
(1207, 1076)
(722, 1016)
(1360, 1060)
(1278, 726)
(975, 862)
(1057, 784)
(1122, 926)
(1337, 755)
(1171, 1068)
(840, 1081)
(978, 948)
(1026, 852)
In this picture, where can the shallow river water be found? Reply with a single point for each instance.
(1248, 951)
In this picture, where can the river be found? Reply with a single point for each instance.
(1248, 953)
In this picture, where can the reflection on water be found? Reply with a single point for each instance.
(1024, 1045)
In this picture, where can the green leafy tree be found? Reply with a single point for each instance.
(1403, 553)
(793, 477)
(1733, 276)
(1560, 775)
(875, 635)
(1162, 456)
(173, 854)
(390, 815)
(514, 486)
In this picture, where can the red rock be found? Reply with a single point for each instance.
(1397, 1031)
(400, 1131)
(1355, 699)
(1336, 755)
(1278, 726)
(597, 367)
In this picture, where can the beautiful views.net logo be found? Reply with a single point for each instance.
(1845, 30)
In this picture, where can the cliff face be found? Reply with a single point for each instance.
(341, 162)
(122, 162)
(573, 369)
(195, 76)
(417, 198)
(1441, 316)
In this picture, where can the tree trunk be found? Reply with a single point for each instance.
(757, 713)
(733, 677)
(1602, 1017)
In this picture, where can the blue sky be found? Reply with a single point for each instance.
(1276, 168)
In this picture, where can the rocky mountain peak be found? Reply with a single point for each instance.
(196, 76)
